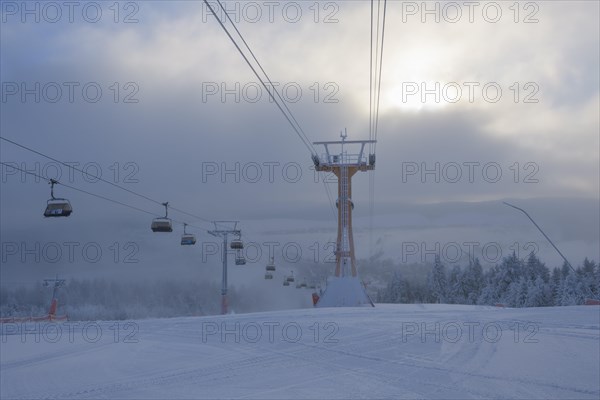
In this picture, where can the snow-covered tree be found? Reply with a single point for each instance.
(473, 282)
(590, 278)
(456, 289)
(537, 293)
(511, 270)
(555, 282)
(516, 294)
(490, 290)
(394, 289)
(534, 268)
(437, 282)
(572, 290)
(565, 270)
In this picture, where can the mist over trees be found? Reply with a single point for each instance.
(514, 283)
(102, 299)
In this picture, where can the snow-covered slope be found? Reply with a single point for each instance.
(393, 351)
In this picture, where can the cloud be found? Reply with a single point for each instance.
(171, 59)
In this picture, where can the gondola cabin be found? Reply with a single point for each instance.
(268, 275)
(236, 244)
(240, 260)
(161, 225)
(188, 240)
(58, 208)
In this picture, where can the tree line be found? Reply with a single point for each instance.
(102, 299)
(514, 283)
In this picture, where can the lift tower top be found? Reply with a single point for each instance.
(344, 164)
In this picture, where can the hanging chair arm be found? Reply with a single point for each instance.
(52, 183)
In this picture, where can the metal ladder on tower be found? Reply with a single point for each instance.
(345, 253)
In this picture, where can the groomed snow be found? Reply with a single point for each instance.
(390, 351)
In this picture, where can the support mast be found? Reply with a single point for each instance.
(344, 165)
(224, 234)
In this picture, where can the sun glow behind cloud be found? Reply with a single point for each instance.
(172, 54)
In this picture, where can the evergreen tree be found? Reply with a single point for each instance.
(565, 270)
(589, 278)
(437, 282)
(393, 290)
(537, 293)
(555, 282)
(510, 271)
(535, 268)
(473, 282)
(489, 292)
(456, 290)
(516, 294)
(572, 290)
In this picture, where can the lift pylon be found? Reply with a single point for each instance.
(345, 288)
(224, 229)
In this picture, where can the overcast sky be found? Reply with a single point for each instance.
(516, 118)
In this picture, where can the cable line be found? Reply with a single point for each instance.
(89, 193)
(288, 115)
(375, 74)
(304, 140)
(268, 78)
(100, 179)
(380, 72)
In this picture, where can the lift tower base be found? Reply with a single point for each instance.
(347, 291)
